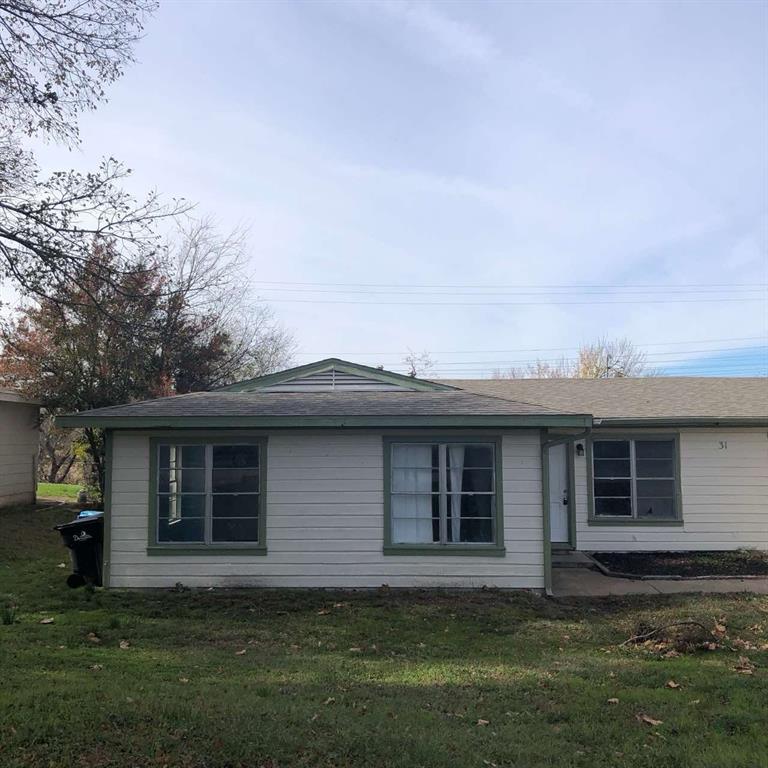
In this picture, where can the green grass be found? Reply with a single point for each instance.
(57, 491)
(387, 678)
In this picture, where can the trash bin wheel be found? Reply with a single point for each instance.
(75, 580)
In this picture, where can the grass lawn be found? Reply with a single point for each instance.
(318, 679)
(57, 491)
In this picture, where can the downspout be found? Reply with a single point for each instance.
(545, 446)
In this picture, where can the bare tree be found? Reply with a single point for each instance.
(57, 453)
(604, 359)
(419, 363)
(56, 59)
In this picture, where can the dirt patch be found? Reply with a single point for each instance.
(733, 563)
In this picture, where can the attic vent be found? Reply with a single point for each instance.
(331, 381)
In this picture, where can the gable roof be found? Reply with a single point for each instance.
(334, 365)
(673, 399)
(444, 408)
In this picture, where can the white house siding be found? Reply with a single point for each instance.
(19, 436)
(724, 497)
(325, 516)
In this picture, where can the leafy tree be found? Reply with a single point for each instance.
(157, 329)
(56, 59)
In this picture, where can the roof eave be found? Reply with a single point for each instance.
(322, 422)
(691, 421)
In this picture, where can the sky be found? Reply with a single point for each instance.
(490, 182)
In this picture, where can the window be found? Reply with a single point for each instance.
(634, 479)
(443, 494)
(208, 494)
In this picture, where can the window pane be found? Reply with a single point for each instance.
(412, 455)
(176, 507)
(612, 468)
(476, 531)
(662, 509)
(235, 506)
(471, 506)
(610, 449)
(480, 480)
(242, 529)
(235, 456)
(656, 488)
(235, 480)
(181, 481)
(655, 468)
(415, 480)
(182, 529)
(613, 488)
(654, 449)
(476, 455)
(182, 456)
(613, 507)
(415, 519)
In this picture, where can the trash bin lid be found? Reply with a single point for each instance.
(90, 513)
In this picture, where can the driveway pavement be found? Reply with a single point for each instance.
(583, 582)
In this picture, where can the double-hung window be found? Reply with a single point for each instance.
(442, 495)
(635, 479)
(208, 494)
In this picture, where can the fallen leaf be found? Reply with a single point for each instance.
(93, 637)
(241, 652)
(183, 679)
(613, 701)
(720, 629)
(323, 612)
(355, 649)
(129, 699)
(124, 645)
(96, 667)
(745, 666)
(483, 722)
(647, 719)
(329, 700)
(61, 565)
(49, 620)
(314, 717)
(672, 684)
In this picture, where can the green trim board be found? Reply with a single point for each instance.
(324, 422)
(675, 423)
(497, 549)
(155, 547)
(106, 553)
(336, 364)
(633, 522)
(545, 522)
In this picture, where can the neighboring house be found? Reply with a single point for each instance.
(19, 443)
(340, 475)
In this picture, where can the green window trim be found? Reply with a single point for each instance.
(495, 549)
(633, 522)
(163, 548)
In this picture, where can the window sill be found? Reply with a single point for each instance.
(160, 550)
(631, 523)
(444, 550)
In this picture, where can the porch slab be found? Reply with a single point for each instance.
(582, 582)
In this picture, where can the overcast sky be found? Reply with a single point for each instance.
(493, 148)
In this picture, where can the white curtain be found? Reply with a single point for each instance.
(456, 473)
(412, 494)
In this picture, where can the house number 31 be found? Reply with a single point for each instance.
(723, 445)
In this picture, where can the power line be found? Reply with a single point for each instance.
(546, 349)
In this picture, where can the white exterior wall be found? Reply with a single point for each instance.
(724, 497)
(19, 438)
(325, 522)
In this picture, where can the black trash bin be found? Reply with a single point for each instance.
(84, 538)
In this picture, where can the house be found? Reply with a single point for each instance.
(19, 439)
(339, 475)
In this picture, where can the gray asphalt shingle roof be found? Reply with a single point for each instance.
(306, 404)
(667, 397)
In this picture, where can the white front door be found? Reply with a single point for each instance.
(558, 494)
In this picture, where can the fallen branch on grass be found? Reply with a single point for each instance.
(653, 632)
